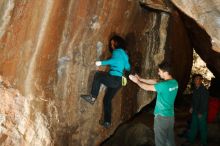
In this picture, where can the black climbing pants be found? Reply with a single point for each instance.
(113, 84)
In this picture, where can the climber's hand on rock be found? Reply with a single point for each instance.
(98, 63)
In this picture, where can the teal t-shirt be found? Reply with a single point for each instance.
(166, 94)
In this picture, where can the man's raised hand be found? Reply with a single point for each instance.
(133, 78)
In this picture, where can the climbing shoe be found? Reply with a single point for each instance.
(105, 124)
(88, 98)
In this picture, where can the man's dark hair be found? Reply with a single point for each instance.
(165, 66)
(193, 78)
(120, 42)
(197, 75)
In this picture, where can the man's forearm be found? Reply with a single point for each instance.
(136, 79)
(145, 86)
(149, 81)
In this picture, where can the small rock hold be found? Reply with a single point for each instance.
(6, 84)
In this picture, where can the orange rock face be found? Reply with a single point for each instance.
(48, 51)
(21, 124)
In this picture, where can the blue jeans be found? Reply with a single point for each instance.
(164, 131)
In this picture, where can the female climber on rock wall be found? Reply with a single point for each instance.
(112, 79)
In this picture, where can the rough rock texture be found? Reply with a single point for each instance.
(207, 14)
(48, 49)
(20, 122)
(201, 42)
(202, 20)
(132, 135)
(174, 42)
(156, 5)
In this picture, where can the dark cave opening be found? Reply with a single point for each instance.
(201, 42)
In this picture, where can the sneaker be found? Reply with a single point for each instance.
(105, 124)
(88, 98)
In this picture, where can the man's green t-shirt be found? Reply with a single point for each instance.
(166, 94)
